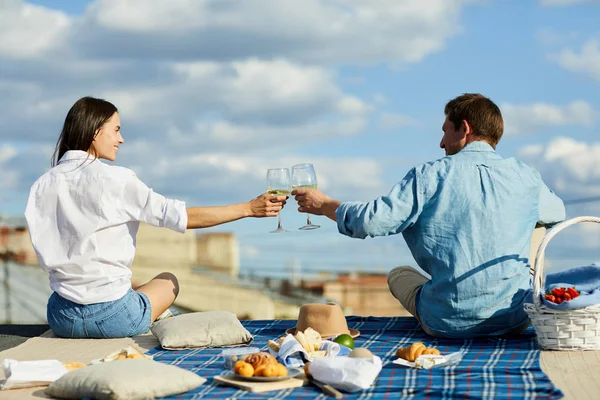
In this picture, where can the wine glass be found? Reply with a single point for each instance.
(305, 177)
(279, 184)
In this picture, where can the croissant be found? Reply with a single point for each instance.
(401, 353)
(432, 351)
(415, 350)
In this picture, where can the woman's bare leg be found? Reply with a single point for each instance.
(162, 291)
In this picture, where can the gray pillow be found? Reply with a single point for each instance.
(124, 379)
(200, 330)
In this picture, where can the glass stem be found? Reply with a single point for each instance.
(308, 219)
(279, 221)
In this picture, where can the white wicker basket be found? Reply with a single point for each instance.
(562, 329)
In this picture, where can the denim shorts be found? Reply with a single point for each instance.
(128, 316)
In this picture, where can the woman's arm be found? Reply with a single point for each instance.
(264, 205)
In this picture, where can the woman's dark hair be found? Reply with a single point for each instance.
(83, 120)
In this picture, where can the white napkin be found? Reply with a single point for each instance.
(22, 374)
(431, 361)
(345, 373)
(292, 354)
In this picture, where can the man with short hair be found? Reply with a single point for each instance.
(467, 218)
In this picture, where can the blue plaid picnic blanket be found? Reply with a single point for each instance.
(491, 368)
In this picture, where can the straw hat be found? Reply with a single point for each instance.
(327, 319)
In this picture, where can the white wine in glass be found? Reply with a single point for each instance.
(279, 184)
(305, 177)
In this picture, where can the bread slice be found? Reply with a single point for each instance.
(303, 340)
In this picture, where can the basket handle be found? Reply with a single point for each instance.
(539, 259)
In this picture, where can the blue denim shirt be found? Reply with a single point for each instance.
(468, 221)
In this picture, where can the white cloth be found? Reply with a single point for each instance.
(346, 373)
(428, 361)
(22, 374)
(292, 354)
(83, 216)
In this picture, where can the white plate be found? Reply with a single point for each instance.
(292, 372)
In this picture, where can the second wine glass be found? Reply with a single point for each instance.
(279, 184)
(305, 177)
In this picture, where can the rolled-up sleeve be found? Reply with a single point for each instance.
(386, 215)
(140, 203)
(551, 207)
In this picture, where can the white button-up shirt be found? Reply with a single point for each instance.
(83, 216)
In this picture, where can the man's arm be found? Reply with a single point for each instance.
(262, 206)
(551, 207)
(386, 215)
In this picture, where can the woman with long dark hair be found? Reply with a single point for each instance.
(83, 216)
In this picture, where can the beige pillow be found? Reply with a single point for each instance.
(201, 329)
(124, 379)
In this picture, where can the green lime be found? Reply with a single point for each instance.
(345, 340)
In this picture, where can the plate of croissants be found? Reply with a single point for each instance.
(263, 367)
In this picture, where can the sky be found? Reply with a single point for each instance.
(212, 93)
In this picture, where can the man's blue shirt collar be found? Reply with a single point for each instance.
(478, 146)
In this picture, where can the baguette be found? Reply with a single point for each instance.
(273, 345)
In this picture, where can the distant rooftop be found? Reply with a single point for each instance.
(292, 295)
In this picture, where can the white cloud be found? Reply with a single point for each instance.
(251, 91)
(28, 30)
(239, 136)
(9, 177)
(20, 168)
(6, 153)
(311, 30)
(531, 118)
(8, 182)
(233, 103)
(209, 88)
(192, 175)
(568, 165)
(340, 177)
(571, 169)
(589, 233)
(391, 121)
(566, 2)
(143, 16)
(550, 37)
(586, 60)
(532, 151)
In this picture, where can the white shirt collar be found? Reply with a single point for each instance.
(72, 155)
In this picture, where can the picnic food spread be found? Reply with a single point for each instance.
(336, 364)
(262, 369)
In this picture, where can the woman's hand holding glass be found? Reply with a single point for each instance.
(266, 205)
